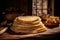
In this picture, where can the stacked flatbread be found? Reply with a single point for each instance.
(28, 24)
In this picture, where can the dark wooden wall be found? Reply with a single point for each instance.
(57, 8)
(24, 5)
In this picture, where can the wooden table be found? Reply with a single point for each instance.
(50, 33)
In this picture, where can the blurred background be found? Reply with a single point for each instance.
(8, 8)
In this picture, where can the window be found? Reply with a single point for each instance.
(39, 7)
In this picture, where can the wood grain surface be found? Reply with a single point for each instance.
(48, 33)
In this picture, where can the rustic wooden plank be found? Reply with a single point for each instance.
(49, 33)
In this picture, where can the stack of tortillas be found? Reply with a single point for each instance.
(28, 24)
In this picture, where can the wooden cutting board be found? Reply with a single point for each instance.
(49, 32)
